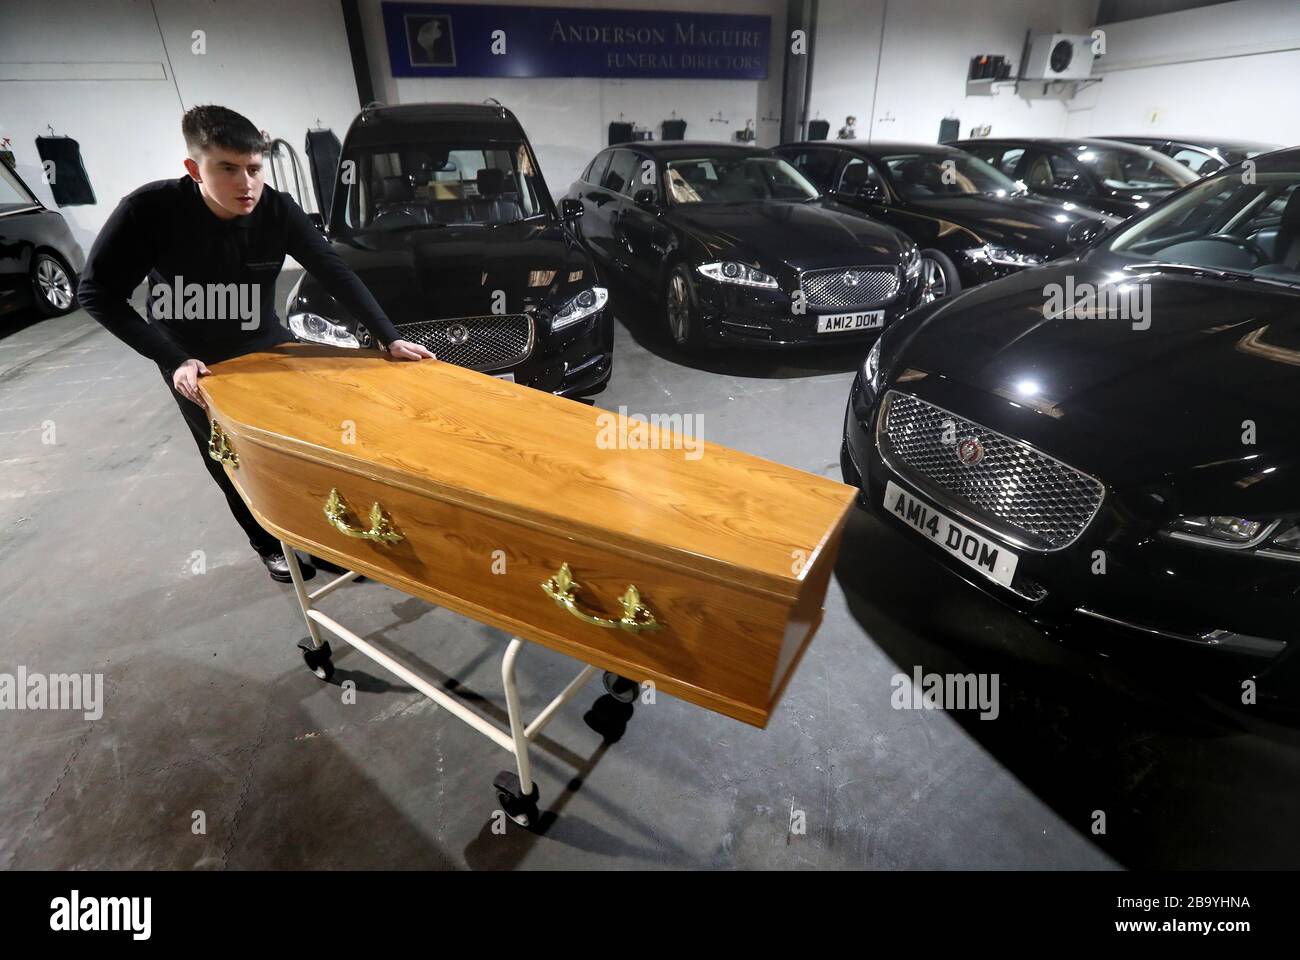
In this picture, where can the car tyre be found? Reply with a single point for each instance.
(681, 312)
(54, 285)
(938, 276)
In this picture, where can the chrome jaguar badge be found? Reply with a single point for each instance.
(851, 278)
(458, 333)
(970, 452)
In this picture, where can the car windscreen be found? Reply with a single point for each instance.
(439, 184)
(920, 176)
(1223, 224)
(1121, 169)
(735, 179)
(13, 195)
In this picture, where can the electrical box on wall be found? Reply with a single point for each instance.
(1059, 56)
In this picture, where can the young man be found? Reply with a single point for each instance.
(217, 225)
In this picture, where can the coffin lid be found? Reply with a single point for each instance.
(533, 457)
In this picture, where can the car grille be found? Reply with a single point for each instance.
(849, 286)
(479, 343)
(1034, 498)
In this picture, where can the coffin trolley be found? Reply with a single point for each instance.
(631, 548)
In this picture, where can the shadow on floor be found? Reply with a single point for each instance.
(1184, 780)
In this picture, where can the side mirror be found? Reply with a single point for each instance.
(1084, 232)
(646, 199)
(570, 209)
(317, 220)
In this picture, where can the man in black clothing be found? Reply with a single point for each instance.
(212, 244)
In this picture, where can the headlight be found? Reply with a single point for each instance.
(1004, 257)
(317, 329)
(1266, 538)
(914, 264)
(580, 307)
(729, 271)
(871, 366)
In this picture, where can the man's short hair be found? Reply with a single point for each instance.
(212, 126)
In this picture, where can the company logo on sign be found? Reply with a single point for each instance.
(429, 42)
(970, 452)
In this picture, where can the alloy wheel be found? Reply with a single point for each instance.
(934, 284)
(55, 286)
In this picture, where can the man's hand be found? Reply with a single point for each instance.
(406, 350)
(186, 380)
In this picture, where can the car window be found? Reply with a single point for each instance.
(643, 176)
(1222, 223)
(433, 184)
(856, 173)
(622, 167)
(1198, 161)
(1134, 169)
(817, 165)
(920, 175)
(597, 168)
(736, 179)
(1049, 171)
(1002, 158)
(12, 194)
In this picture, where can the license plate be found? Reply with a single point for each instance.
(979, 553)
(844, 322)
(505, 376)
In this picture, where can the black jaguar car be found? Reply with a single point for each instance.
(442, 212)
(39, 258)
(972, 223)
(1118, 178)
(735, 246)
(1111, 443)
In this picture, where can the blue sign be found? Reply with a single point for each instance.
(462, 40)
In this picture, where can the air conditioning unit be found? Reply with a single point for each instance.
(1059, 56)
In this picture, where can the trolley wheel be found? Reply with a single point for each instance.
(518, 806)
(621, 688)
(608, 716)
(318, 660)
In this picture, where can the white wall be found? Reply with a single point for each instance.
(914, 56)
(567, 119)
(282, 64)
(1230, 70)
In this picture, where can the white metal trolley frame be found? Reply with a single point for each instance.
(519, 805)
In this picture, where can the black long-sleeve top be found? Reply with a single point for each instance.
(166, 232)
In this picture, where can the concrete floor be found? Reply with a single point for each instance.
(209, 708)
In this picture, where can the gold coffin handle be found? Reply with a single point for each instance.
(636, 617)
(219, 448)
(380, 529)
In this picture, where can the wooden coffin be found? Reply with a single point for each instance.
(704, 574)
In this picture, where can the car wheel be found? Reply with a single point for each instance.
(938, 276)
(682, 319)
(53, 287)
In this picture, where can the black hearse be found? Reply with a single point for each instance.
(442, 211)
